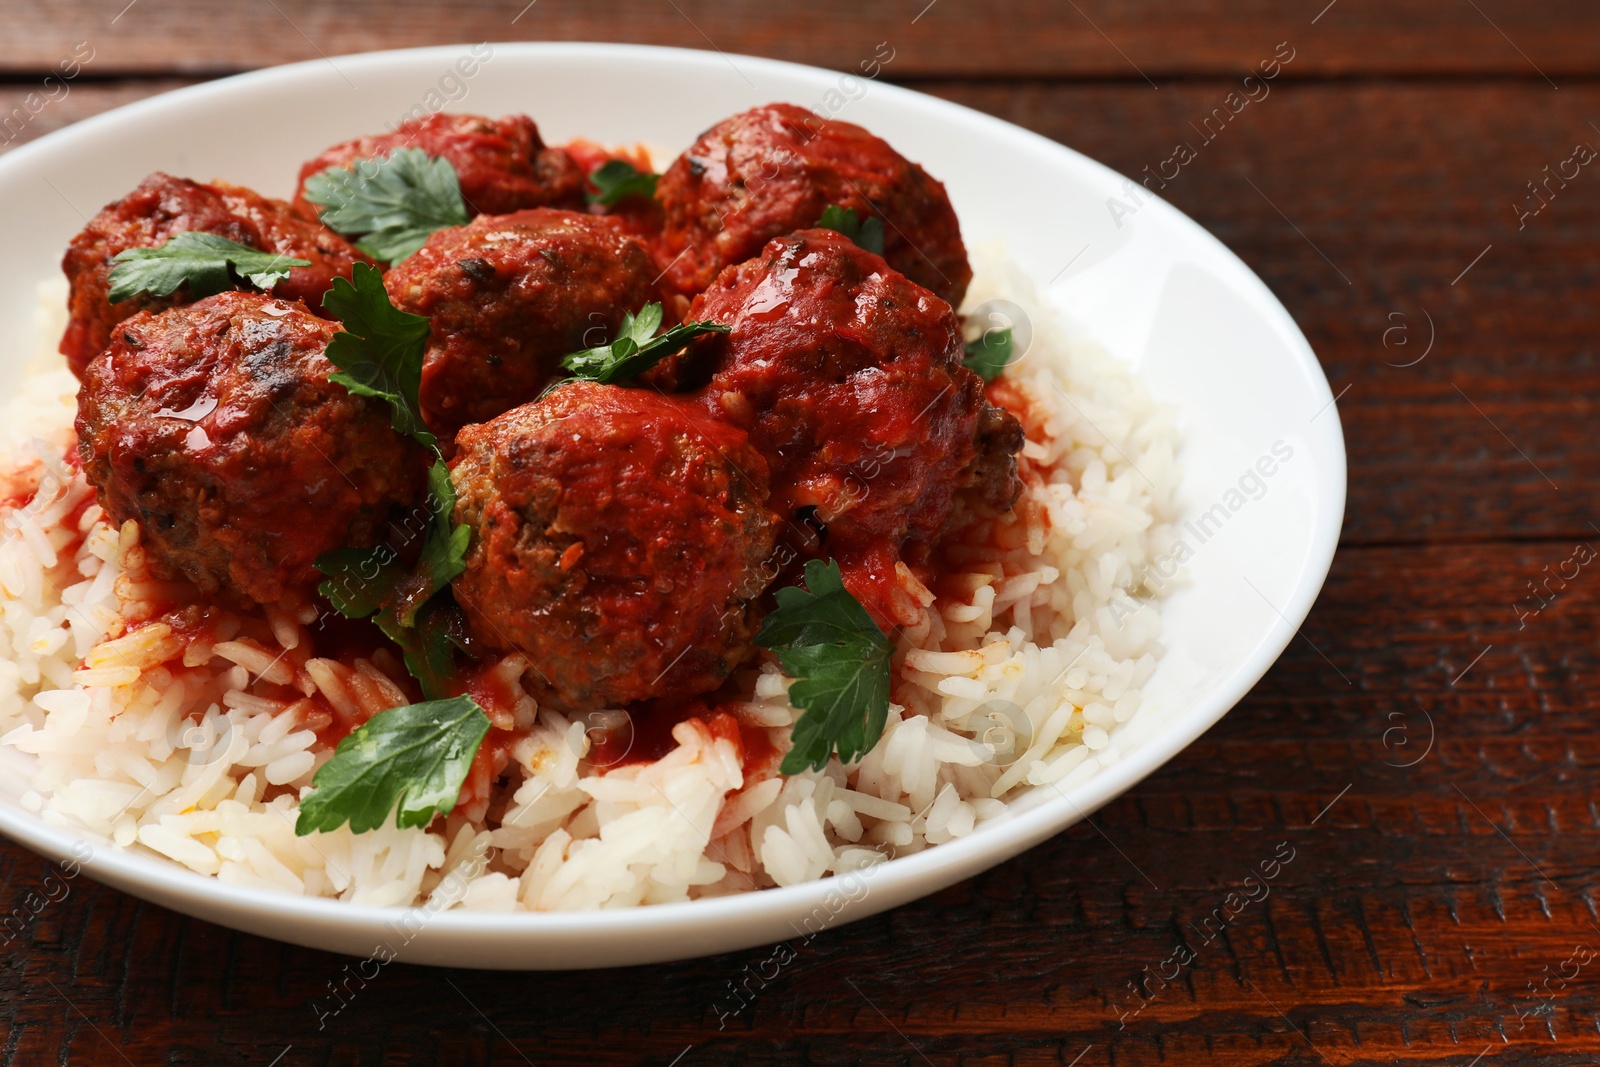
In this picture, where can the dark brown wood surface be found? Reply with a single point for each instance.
(1431, 914)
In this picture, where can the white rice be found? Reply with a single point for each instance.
(1027, 677)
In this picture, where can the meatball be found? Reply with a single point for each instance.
(848, 378)
(214, 425)
(507, 296)
(282, 230)
(775, 169)
(619, 538)
(992, 479)
(163, 207)
(503, 164)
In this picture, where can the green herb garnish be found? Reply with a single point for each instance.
(444, 548)
(618, 179)
(990, 353)
(867, 232)
(372, 583)
(636, 349)
(205, 262)
(414, 758)
(379, 354)
(379, 351)
(391, 205)
(839, 658)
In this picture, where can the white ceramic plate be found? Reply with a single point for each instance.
(1159, 291)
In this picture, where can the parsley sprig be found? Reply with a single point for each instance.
(403, 600)
(636, 348)
(990, 353)
(413, 758)
(866, 232)
(379, 351)
(416, 756)
(379, 354)
(839, 658)
(207, 263)
(392, 204)
(617, 179)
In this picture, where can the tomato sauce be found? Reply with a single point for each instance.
(646, 736)
(488, 764)
(591, 156)
(489, 688)
(637, 215)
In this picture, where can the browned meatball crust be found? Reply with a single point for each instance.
(618, 540)
(214, 425)
(163, 207)
(992, 478)
(773, 170)
(507, 296)
(848, 378)
(503, 165)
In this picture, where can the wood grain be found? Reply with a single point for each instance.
(1426, 753)
(30, 119)
(1097, 39)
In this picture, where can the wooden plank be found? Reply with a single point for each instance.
(27, 114)
(1158, 39)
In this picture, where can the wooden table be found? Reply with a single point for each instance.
(1424, 749)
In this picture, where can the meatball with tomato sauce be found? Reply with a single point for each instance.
(619, 538)
(847, 376)
(214, 425)
(503, 164)
(507, 296)
(163, 207)
(773, 170)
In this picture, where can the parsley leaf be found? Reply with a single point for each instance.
(404, 601)
(839, 658)
(373, 583)
(635, 350)
(379, 351)
(867, 232)
(414, 757)
(200, 260)
(444, 548)
(367, 581)
(618, 179)
(393, 204)
(360, 580)
(990, 353)
(427, 644)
